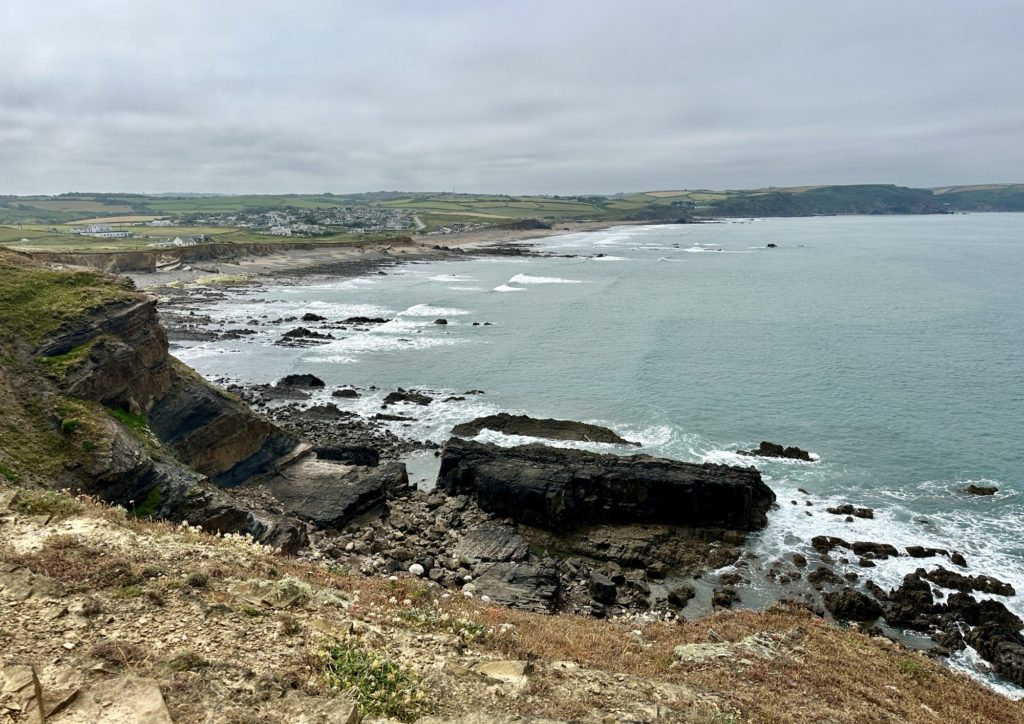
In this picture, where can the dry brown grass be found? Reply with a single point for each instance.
(819, 673)
(82, 567)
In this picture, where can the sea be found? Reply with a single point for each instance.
(891, 347)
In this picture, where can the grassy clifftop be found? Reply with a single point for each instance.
(35, 301)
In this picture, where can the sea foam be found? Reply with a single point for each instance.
(527, 279)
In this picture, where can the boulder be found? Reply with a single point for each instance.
(911, 604)
(848, 509)
(823, 576)
(518, 585)
(848, 604)
(724, 597)
(965, 584)
(872, 550)
(491, 542)
(981, 489)
(326, 412)
(310, 317)
(416, 398)
(547, 428)
(303, 333)
(922, 552)
(602, 588)
(365, 320)
(560, 489)
(679, 596)
(304, 381)
(825, 543)
(345, 392)
(774, 450)
(350, 455)
(330, 495)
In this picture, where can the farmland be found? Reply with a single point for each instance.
(50, 222)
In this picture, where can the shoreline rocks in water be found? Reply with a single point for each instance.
(560, 489)
(981, 489)
(549, 429)
(303, 381)
(774, 450)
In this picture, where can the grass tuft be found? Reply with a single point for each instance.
(82, 567)
(380, 686)
(188, 661)
(44, 502)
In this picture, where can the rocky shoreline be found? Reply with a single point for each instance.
(543, 529)
(648, 570)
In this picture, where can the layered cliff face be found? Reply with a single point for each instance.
(117, 355)
(91, 400)
(216, 433)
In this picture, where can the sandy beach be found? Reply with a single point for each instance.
(351, 259)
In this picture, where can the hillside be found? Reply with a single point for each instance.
(56, 222)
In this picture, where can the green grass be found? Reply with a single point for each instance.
(61, 364)
(149, 504)
(44, 502)
(36, 302)
(136, 423)
(380, 686)
(433, 619)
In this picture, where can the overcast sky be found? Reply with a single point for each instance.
(515, 97)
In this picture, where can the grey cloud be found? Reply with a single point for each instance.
(514, 97)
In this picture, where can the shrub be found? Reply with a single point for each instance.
(82, 567)
(44, 502)
(380, 686)
(118, 653)
(187, 661)
(198, 579)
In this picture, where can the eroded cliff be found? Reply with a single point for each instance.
(91, 400)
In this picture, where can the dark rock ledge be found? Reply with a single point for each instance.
(531, 427)
(560, 489)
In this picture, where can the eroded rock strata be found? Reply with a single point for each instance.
(561, 489)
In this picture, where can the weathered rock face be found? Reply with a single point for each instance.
(532, 427)
(523, 586)
(216, 433)
(491, 542)
(559, 489)
(330, 495)
(127, 364)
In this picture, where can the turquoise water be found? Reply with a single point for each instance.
(889, 346)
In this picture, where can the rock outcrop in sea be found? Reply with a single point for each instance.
(549, 429)
(561, 489)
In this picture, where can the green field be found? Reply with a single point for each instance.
(44, 222)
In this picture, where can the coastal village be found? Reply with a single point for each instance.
(287, 222)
